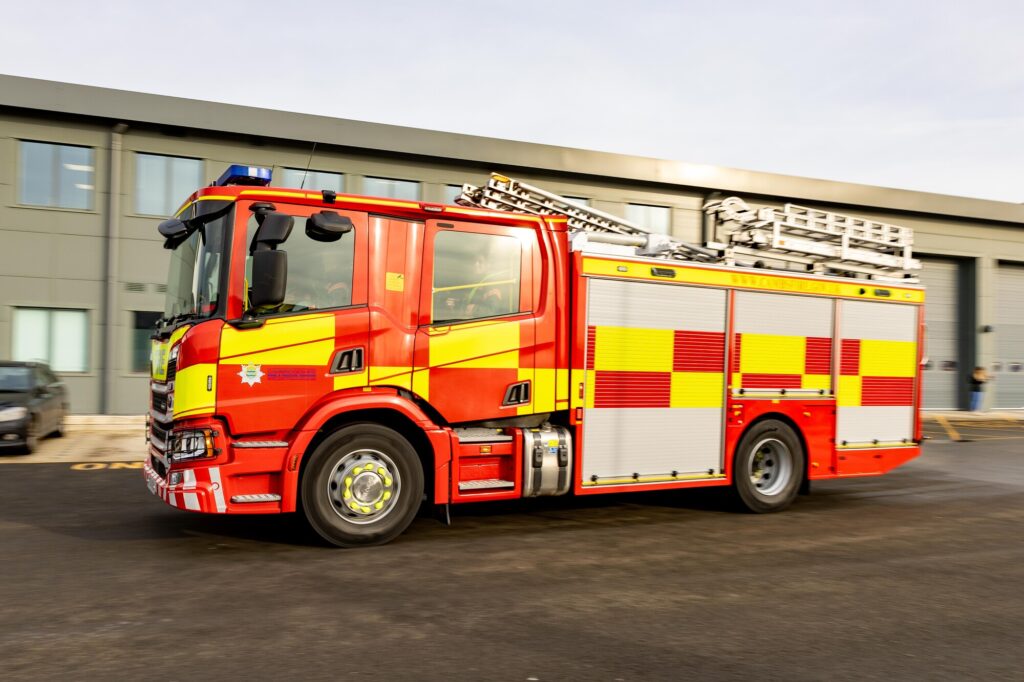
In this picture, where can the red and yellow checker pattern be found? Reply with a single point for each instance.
(876, 373)
(654, 368)
(771, 361)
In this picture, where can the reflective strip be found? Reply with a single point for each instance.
(190, 479)
(462, 343)
(192, 501)
(622, 349)
(726, 276)
(172, 499)
(218, 490)
(280, 334)
(772, 354)
(888, 358)
(697, 389)
(195, 389)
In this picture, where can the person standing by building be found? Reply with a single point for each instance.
(978, 379)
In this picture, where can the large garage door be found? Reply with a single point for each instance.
(941, 374)
(1008, 368)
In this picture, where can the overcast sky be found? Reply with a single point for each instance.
(917, 95)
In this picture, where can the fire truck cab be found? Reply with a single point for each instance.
(352, 357)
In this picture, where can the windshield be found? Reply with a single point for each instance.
(15, 378)
(193, 281)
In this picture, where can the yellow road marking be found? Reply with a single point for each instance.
(96, 466)
(953, 434)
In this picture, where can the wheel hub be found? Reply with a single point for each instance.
(770, 466)
(363, 486)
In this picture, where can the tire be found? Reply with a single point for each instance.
(768, 467)
(58, 429)
(362, 486)
(31, 436)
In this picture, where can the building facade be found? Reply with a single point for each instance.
(87, 173)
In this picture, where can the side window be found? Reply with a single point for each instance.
(475, 275)
(319, 273)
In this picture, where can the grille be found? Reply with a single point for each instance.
(160, 402)
(158, 466)
(172, 370)
(158, 431)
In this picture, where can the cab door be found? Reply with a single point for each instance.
(271, 370)
(475, 345)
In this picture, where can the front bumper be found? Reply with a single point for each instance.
(14, 433)
(238, 482)
(201, 489)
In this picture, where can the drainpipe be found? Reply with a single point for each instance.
(108, 339)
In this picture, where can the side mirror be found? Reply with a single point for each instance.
(274, 229)
(269, 278)
(174, 231)
(172, 228)
(327, 226)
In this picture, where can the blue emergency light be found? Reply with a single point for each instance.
(244, 175)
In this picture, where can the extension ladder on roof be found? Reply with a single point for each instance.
(819, 240)
(811, 240)
(505, 194)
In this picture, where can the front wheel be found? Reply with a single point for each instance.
(362, 486)
(768, 467)
(58, 429)
(31, 435)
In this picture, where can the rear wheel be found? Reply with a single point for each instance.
(32, 435)
(768, 467)
(362, 486)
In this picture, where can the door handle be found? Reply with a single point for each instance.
(348, 361)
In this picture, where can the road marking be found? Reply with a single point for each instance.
(953, 434)
(97, 466)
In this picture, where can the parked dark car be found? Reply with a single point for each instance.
(33, 403)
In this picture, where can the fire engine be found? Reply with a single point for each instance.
(352, 358)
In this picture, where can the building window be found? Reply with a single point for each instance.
(56, 175)
(395, 189)
(318, 180)
(651, 218)
(475, 275)
(162, 183)
(451, 193)
(143, 326)
(579, 200)
(56, 337)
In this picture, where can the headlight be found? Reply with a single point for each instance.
(192, 444)
(11, 414)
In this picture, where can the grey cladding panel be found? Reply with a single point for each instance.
(643, 305)
(782, 314)
(878, 321)
(651, 442)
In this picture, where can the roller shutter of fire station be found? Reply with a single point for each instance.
(942, 372)
(1008, 368)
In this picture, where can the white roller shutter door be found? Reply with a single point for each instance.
(942, 373)
(1008, 368)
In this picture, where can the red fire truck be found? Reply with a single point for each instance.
(353, 357)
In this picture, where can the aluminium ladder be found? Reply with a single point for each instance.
(791, 238)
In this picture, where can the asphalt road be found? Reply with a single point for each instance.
(915, 575)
